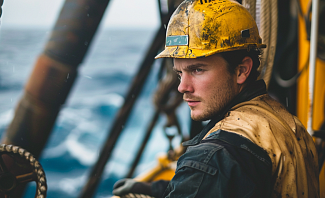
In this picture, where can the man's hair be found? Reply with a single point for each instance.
(234, 58)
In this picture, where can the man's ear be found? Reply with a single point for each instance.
(244, 69)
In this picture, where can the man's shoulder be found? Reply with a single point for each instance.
(225, 145)
(237, 145)
(231, 158)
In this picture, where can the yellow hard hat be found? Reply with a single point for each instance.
(201, 28)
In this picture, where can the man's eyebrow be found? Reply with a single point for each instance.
(190, 67)
(194, 66)
(175, 70)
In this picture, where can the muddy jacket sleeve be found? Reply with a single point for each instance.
(223, 165)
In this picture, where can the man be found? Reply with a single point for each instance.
(252, 147)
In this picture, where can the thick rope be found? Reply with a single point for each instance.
(131, 195)
(38, 170)
(268, 32)
(250, 5)
(265, 34)
(273, 40)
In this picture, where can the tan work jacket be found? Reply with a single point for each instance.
(291, 149)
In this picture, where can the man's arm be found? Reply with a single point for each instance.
(153, 189)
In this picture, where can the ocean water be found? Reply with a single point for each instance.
(82, 125)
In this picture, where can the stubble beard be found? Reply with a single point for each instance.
(217, 102)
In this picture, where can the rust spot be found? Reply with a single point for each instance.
(226, 42)
(205, 36)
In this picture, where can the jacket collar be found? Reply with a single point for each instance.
(251, 91)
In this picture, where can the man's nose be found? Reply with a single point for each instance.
(185, 84)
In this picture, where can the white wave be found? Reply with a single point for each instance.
(55, 152)
(71, 186)
(6, 117)
(79, 151)
(111, 99)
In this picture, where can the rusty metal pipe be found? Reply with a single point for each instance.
(54, 74)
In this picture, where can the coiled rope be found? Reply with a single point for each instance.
(268, 31)
(250, 5)
(131, 195)
(38, 170)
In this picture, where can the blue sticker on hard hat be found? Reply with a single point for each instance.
(177, 40)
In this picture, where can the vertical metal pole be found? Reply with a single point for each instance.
(1, 3)
(54, 74)
(312, 63)
(121, 118)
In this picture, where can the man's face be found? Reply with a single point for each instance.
(206, 84)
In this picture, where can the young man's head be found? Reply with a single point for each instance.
(211, 82)
(214, 45)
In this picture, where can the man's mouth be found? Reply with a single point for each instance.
(192, 102)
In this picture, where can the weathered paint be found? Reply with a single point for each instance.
(212, 27)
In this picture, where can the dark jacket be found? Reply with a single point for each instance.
(253, 148)
(223, 164)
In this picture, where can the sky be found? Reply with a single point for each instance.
(43, 13)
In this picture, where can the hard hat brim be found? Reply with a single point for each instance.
(186, 52)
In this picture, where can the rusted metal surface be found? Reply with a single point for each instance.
(54, 74)
(74, 30)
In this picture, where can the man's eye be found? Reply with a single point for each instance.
(198, 70)
(178, 75)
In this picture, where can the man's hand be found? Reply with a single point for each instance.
(126, 186)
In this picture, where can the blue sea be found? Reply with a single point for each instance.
(84, 122)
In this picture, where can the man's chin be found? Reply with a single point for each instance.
(199, 117)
